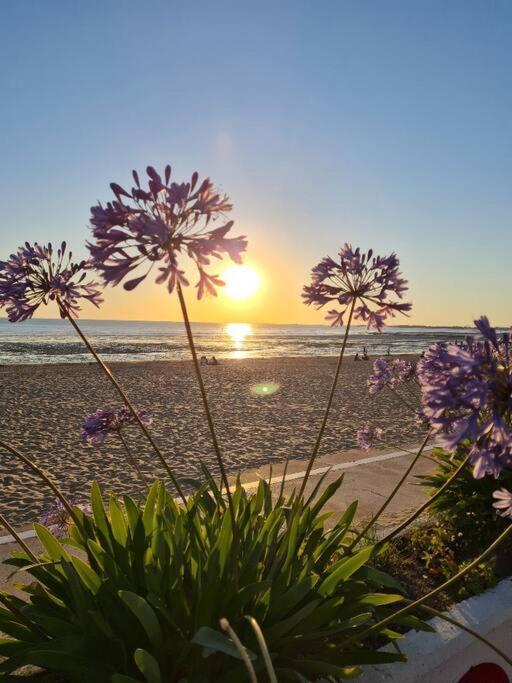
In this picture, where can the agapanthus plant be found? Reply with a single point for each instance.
(390, 374)
(98, 425)
(367, 287)
(467, 396)
(367, 436)
(360, 282)
(161, 224)
(57, 519)
(36, 274)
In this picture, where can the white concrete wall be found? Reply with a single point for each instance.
(446, 655)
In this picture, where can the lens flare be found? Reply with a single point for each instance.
(265, 388)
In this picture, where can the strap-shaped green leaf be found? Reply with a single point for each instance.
(146, 616)
(148, 666)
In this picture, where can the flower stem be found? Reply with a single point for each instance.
(458, 624)
(42, 475)
(425, 505)
(420, 601)
(393, 493)
(226, 626)
(401, 398)
(133, 461)
(17, 538)
(329, 403)
(204, 397)
(128, 403)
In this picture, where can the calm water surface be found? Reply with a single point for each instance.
(54, 341)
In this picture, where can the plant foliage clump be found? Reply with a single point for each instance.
(137, 591)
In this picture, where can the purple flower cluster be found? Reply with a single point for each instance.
(358, 277)
(97, 426)
(467, 396)
(57, 519)
(367, 436)
(503, 502)
(158, 225)
(390, 374)
(36, 275)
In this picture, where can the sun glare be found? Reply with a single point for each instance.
(238, 331)
(242, 282)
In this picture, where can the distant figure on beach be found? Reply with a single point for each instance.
(388, 352)
(356, 357)
(365, 355)
(214, 361)
(203, 360)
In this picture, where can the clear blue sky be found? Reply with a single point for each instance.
(386, 124)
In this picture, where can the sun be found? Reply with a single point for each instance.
(242, 282)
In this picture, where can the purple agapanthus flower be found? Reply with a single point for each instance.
(467, 396)
(57, 519)
(37, 274)
(390, 374)
(358, 277)
(503, 502)
(367, 436)
(97, 426)
(160, 224)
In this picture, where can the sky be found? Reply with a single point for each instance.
(383, 124)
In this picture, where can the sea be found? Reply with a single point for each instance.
(54, 341)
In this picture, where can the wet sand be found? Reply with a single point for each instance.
(42, 407)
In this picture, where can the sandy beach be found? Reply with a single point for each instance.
(42, 407)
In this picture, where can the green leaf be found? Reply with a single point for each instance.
(379, 577)
(148, 666)
(52, 546)
(118, 522)
(378, 599)
(216, 641)
(344, 569)
(87, 575)
(146, 616)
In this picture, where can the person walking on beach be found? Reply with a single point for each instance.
(365, 355)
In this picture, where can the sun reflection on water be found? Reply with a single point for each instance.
(238, 332)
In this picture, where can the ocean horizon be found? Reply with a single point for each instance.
(54, 341)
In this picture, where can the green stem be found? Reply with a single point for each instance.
(420, 601)
(206, 406)
(393, 493)
(17, 538)
(425, 505)
(329, 403)
(264, 650)
(463, 627)
(226, 626)
(126, 400)
(133, 461)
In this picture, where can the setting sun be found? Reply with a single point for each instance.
(242, 282)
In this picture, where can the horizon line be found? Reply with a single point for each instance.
(199, 322)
